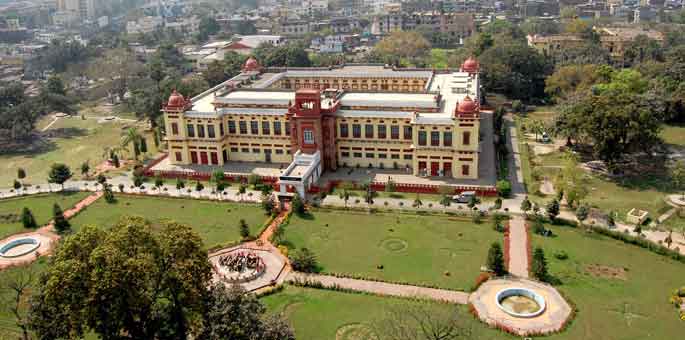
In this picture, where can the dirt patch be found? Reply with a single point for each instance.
(607, 272)
(355, 331)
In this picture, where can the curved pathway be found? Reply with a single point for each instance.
(382, 288)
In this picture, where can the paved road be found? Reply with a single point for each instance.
(383, 288)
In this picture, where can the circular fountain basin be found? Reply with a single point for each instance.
(19, 247)
(520, 302)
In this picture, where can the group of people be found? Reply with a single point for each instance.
(241, 261)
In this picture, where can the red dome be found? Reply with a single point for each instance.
(251, 65)
(470, 65)
(176, 100)
(467, 106)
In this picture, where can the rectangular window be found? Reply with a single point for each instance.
(174, 128)
(435, 138)
(447, 138)
(243, 127)
(254, 127)
(245, 150)
(308, 136)
(467, 138)
(256, 151)
(408, 133)
(357, 155)
(277, 128)
(179, 157)
(368, 131)
(344, 133)
(422, 138)
(382, 132)
(395, 132)
(210, 131)
(395, 156)
(287, 128)
(221, 129)
(465, 170)
(231, 126)
(408, 156)
(356, 131)
(234, 149)
(279, 151)
(191, 130)
(266, 128)
(200, 131)
(382, 155)
(344, 154)
(370, 155)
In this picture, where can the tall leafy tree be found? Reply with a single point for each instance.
(59, 173)
(124, 283)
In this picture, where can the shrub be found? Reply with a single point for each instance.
(27, 219)
(539, 265)
(109, 195)
(503, 188)
(561, 255)
(498, 203)
(553, 209)
(60, 222)
(495, 260)
(304, 260)
(298, 205)
(244, 229)
(582, 212)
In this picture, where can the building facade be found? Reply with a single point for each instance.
(421, 121)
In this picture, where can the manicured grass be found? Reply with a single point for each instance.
(610, 196)
(74, 141)
(215, 222)
(40, 205)
(674, 135)
(319, 314)
(635, 307)
(8, 324)
(411, 248)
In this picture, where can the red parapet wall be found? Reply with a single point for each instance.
(418, 188)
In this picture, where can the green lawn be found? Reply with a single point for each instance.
(411, 248)
(72, 141)
(610, 196)
(674, 135)
(633, 307)
(216, 222)
(319, 314)
(8, 325)
(40, 205)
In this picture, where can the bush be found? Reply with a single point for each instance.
(60, 222)
(27, 219)
(244, 229)
(298, 205)
(305, 261)
(504, 188)
(109, 195)
(539, 265)
(495, 260)
(582, 212)
(498, 203)
(561, 255)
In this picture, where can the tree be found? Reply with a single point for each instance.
(16, 185)
(141, 284)
(21, 173)
(60, 222)
(85, 168)
(244, 229)
(17, 285)
(678, 177)
(159, 182)
(303, 260)
(416, 321)
(109, 195)
(571, 182)
(369, 195)
(402, 45)
(568, 79)
(268, 203)
(234, 314)
(298, 205)
(27, 219)
(132, 137)
(417, 201)
(611, 219)
(472, 202)
(199, 186)
(446, 201)
(102, 179)
(143, 145)
(241, 190)
(180, 184)
(503, 188)
(496, 259)
(115, 160)
(53, 97)
(345, 196)
(539, 265)
(525, 205)
(59, 173)
(390, 186)
(553, 209)
(582, 212)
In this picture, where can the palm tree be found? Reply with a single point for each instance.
(132, 136)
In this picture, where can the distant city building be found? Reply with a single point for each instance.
(144, 25)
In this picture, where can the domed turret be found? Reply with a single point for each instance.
(467, 106)
(251, 65)
(176, 100)
(470, 65)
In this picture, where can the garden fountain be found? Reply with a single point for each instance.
(19, 247)
(520, 302)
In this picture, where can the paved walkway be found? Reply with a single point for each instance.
(382, 288)
(518, 247)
